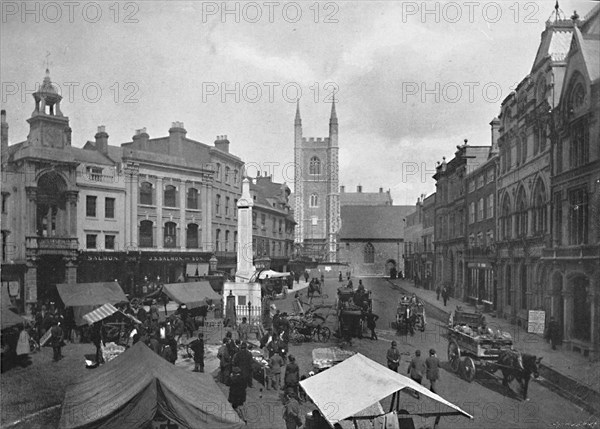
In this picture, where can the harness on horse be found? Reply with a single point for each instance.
(512, 358)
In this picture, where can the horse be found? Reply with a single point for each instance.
(314, 286)
(519, 366)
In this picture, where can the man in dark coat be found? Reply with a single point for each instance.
(197, 347)
(416, 369)
(291, 410)
(371, 323)
(56, 340)
(97, 337)
(237, 390)
(292, 375)
(445, 295)
(433, 369)
(224, 361)
(243, 360)
(553, 334)
(393, 357)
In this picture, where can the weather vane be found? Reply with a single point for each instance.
(47, 60)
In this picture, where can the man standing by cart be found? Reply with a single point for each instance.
(433, 369)
(56, 340)
(197, 347)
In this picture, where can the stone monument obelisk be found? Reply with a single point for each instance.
(245, 267)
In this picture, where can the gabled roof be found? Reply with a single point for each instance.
(555, 43)
(91, 156)
(373, 222)
(365, 199)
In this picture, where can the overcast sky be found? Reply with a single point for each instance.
(410, 85)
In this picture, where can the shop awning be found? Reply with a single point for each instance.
(108, 311)
(84, 294)
(193, 294)
(272, 274)
(337, 385)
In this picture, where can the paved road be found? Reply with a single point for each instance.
(485, 398)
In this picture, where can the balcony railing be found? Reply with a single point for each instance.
(52, 244)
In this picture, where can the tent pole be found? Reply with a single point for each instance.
(437, 421)
(393, 400)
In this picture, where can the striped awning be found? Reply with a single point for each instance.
(100, 313)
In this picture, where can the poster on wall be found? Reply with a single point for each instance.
(537, 321)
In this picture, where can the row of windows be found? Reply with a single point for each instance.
(482, 179)
(221, 246)
(521, 149)
(170, 196)
(170, 236)
(226, 175)
(481, 240)
(264, 247)
(91, 241)
(521, 214)
(484, 209)
(91, 207)
(277, 224)
(227, 206)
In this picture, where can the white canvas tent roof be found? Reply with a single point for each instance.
(272, 274)
(341, 383)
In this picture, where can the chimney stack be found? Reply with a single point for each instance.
(359, 188)
(4, 131)
(495, 125)
(102, 140)
(381, 190)
(342, 189)
(140, 139)
(176, 135)
(222, 144)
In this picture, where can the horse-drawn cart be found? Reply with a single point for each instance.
(471, 340)
(410, 315)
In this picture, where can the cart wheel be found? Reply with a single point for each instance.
(454, 356)
(468, 368)
(323, 334)
(296, 337)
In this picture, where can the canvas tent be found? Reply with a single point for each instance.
(366, 382)
(9, 319)
(192, 294)
(85, 297)
(128, 391)
(272, 274)
(108, 311)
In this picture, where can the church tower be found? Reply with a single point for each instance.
(316, 184)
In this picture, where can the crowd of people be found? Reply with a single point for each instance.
(418, 368)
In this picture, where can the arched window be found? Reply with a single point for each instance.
(539, 208)
(192, 199)
(523, 153)
(218, 172)
(170, 199)
(505, 219)
(508, 159)
(576, 99)
(227, 169)
(522, 214)
(314, 200)
(226, 241)
(146, 234)
(170, 234)
(146, 196)
(518, 150)
(218, 240)
(315, 166)
(369, 254)
(191, 236)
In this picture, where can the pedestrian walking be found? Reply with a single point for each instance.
(393, 357)
(292, 374)
(371, 323)
(291, 410)
(243, 360)
(416, 369)
(445, 295)
(306, 276)
(237, 391)
(437, 292)
(56, 340)
(433, 369)
(197, 347)
(341, 278)
(553, 333)
(275, 364)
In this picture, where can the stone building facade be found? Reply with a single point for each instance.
(571, 264)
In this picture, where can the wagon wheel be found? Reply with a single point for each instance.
(454, 356)
(323, 334)
(468, 369)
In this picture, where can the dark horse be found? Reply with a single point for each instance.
(314, 286)
(519, 366)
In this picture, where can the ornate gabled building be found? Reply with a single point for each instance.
(571, 263)
(39, 203)
(316, 196)
(523, 184)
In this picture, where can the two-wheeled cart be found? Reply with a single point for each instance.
(472, 346)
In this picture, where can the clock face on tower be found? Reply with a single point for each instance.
(52, 137)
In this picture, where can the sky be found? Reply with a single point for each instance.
(411, 80)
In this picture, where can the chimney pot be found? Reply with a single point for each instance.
(381, 190)
(359, 188)
(342, 189)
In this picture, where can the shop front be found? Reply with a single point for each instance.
(481, 284)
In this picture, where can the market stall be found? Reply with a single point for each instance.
(193, 294)
(86, 297)
(359, 382)
(327, 357)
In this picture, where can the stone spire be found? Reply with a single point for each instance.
(333, 118)
(298, 120)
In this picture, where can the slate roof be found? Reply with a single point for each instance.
(365, 199)
(373, 222)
